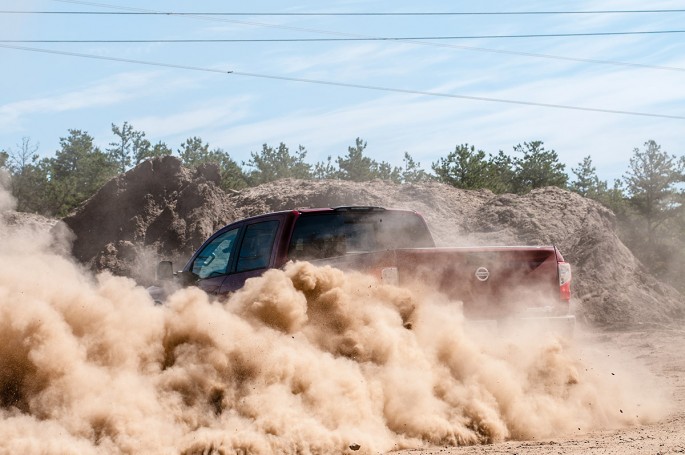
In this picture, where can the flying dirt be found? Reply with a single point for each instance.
(301, 360)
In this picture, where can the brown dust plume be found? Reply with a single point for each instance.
(301, 360)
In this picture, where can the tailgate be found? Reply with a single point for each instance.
(491, 282)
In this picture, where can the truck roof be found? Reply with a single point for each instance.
(345, 208)
(302, 210)
(348, 208)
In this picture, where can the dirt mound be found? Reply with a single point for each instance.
(22, 220)
(159, 210)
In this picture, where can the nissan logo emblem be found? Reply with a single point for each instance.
(482, 274)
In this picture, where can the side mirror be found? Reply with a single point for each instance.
(186, 278)
(165, 271)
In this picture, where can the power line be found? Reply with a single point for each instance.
(316, 40)
(553, 57)
(349, 85)
(382, 13)
(445, 45)
(116, 59)
(414, 42)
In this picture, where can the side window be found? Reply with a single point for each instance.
(258, 242)
(214, 258)
(318, 237)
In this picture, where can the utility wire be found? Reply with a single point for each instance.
(349, 85)
(494, 51)
(416, 43)
(408, 13)
(116, 59)
(369, 38)
(553, 57)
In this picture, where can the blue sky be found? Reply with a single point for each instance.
(43, 94)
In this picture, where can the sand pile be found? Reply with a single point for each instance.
(160, 210)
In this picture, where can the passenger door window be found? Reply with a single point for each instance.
(258, 241)
(214, 258)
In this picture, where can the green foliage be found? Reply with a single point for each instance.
(194, 153)
(359, 168)
(501, 173)
(650, 211)
(155, 151)
(537, 168)
(613, 198)
(467, 168)
(76, 172)
(464, 168)
(141, 147)
(132, 147)
(4, 157)
(271, 164)
(355, 166)
(586, 182)
(652, 186)
(29, 177)
(385, 171)
(231, 174)
(325, 170)
(412, 172)
(121, 151)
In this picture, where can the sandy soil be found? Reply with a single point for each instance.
(662, 351)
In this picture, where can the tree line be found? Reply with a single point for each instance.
(648, 199)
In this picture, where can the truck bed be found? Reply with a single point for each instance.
(490, 282)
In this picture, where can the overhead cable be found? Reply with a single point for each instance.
(370, 38)
(350, 85)
(366, 13)
(411, 42)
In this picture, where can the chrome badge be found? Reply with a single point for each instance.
(482, 274)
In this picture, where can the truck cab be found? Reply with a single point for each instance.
(248, 247)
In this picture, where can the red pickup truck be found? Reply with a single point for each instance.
(394, 245)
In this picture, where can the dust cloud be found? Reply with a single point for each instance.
(301, 360)
(7, 202)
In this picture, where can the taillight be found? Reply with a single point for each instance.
(390, 276)
(564, 270)
(387, 275)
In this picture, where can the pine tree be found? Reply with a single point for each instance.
(652, 186)
(464, 168)
(537, 168)
(271, 164)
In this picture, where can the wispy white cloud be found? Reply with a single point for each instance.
(106, 92)
(201, 117)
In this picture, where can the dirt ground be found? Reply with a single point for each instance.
(662, 351)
